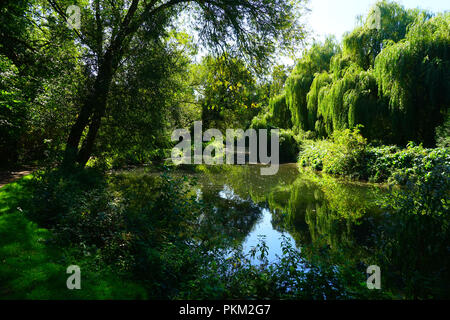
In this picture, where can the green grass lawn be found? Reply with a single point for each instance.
(32, 268)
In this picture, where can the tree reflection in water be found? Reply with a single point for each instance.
(332, 221)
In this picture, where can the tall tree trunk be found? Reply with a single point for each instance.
(76, 132)
(94, 106)
(88, 144)
(90, 115)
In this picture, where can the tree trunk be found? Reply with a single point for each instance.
(94, 106)
(91, 113)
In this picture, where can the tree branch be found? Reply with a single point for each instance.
(64, 16)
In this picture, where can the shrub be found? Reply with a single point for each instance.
(391, 163)
(58, 193)
(313, 152)
(346, 153)
(443, 133)
(261, 121)
(417, 232)
(289, 146)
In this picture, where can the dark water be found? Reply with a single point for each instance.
(331, 221)
(306, 208)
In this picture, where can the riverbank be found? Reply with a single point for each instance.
(134, 221)
(218, 232)
(348, 154)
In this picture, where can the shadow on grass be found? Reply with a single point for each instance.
(31, 267)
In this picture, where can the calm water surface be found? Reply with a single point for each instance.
(306, 208)
(331, 221)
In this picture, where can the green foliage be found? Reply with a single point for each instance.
(414, 75)
(230, 97)
(40, 82)
(313, 152)
(443, 134)
(279, 114)
(315, 60)
(133, 74)
(427, 181)
(13, 113)
(315, 94)
(364, 43)
(60, 194)
(391, 78)
(147, 102)
(418, 228)
(347, 102)
(297, 87)
(343, 154)
(346, 154)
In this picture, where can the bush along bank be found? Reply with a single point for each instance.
(348, 154)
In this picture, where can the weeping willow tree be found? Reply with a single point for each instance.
(333, 107)
(279, 113)
(315, 60)
(392, 77)
(386, 20)
(297, 87)
(367, 109)
(414, 74)
(346, 102)
(360, 48)
(348, 96)
(317, 90)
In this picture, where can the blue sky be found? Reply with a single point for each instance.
(338, 16)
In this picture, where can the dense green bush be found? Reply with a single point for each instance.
(289, 146)
(391, 163)
(418, 229)
(348, 154)
(61, 193)
(313, 152)
(342, 154)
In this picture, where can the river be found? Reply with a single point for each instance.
(330, 220)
